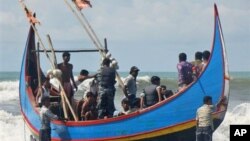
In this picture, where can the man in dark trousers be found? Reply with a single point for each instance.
(46, 115)
(106, 92)
(204, 127)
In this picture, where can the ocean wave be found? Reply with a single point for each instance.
(9, 90)
(12, 127)
(15, 124)
(239, 115)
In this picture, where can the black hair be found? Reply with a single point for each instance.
(66, 53)
(164, 87)
(44, 99)
(198, 55)
(89, 94)
(155, 79)
(206, 99)
(125, 101)
(206, 55)
(84, 72)
(106, 61)
(182, 57)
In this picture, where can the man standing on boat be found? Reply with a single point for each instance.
(67, 75)
(106, 80)
(205, 56)
(197, 64)
(130, 88)
(204, 127)
(185, 73)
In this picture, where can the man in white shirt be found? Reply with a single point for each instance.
(130, 88)
(204, 128)
(45, 116)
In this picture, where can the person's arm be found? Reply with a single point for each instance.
(197, 120)
(72, 77)
(158, 89)
(142, 100)
(125, 90)
(51, 115)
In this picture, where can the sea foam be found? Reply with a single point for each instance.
(12, 127)
(10, 124)
(9, 90)
(239, 115)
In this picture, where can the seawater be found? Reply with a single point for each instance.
(12, 126)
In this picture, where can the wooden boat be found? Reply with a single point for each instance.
(172, 119)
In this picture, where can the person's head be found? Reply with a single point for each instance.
(207, 100)
(47, 84)
(66, 56)
(134, 71)
(198, 55)
(206, 55)
(155, 80)
(90, 96)
(84, 73)
(163, 88)
(46, 101)
(182, 57)
(125, 104)
(106, 62)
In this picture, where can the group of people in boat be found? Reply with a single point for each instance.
(190, 71)
(98, 100)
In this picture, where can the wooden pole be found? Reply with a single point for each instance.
(91, 29)
(92, 35)
(67, 101)
(63, 104)
(53, 66)
(39, 92)
(85, 27)
(52, 51)
(37, 34)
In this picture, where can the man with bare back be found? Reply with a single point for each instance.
(67, 75)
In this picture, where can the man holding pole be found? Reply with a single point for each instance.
(106, 79)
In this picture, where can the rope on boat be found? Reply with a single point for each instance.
(24, 130)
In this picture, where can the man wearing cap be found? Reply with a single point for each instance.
(130, 86)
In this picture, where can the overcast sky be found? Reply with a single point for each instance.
(147, 33)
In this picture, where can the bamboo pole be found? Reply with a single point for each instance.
(89, 26)
(39, 92)
(85, 27)
(91, 33)
(63, 103)
(37, 34)
(68, 103)
(52, 64)
(52, 51)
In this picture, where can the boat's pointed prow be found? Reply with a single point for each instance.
(216, 10)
